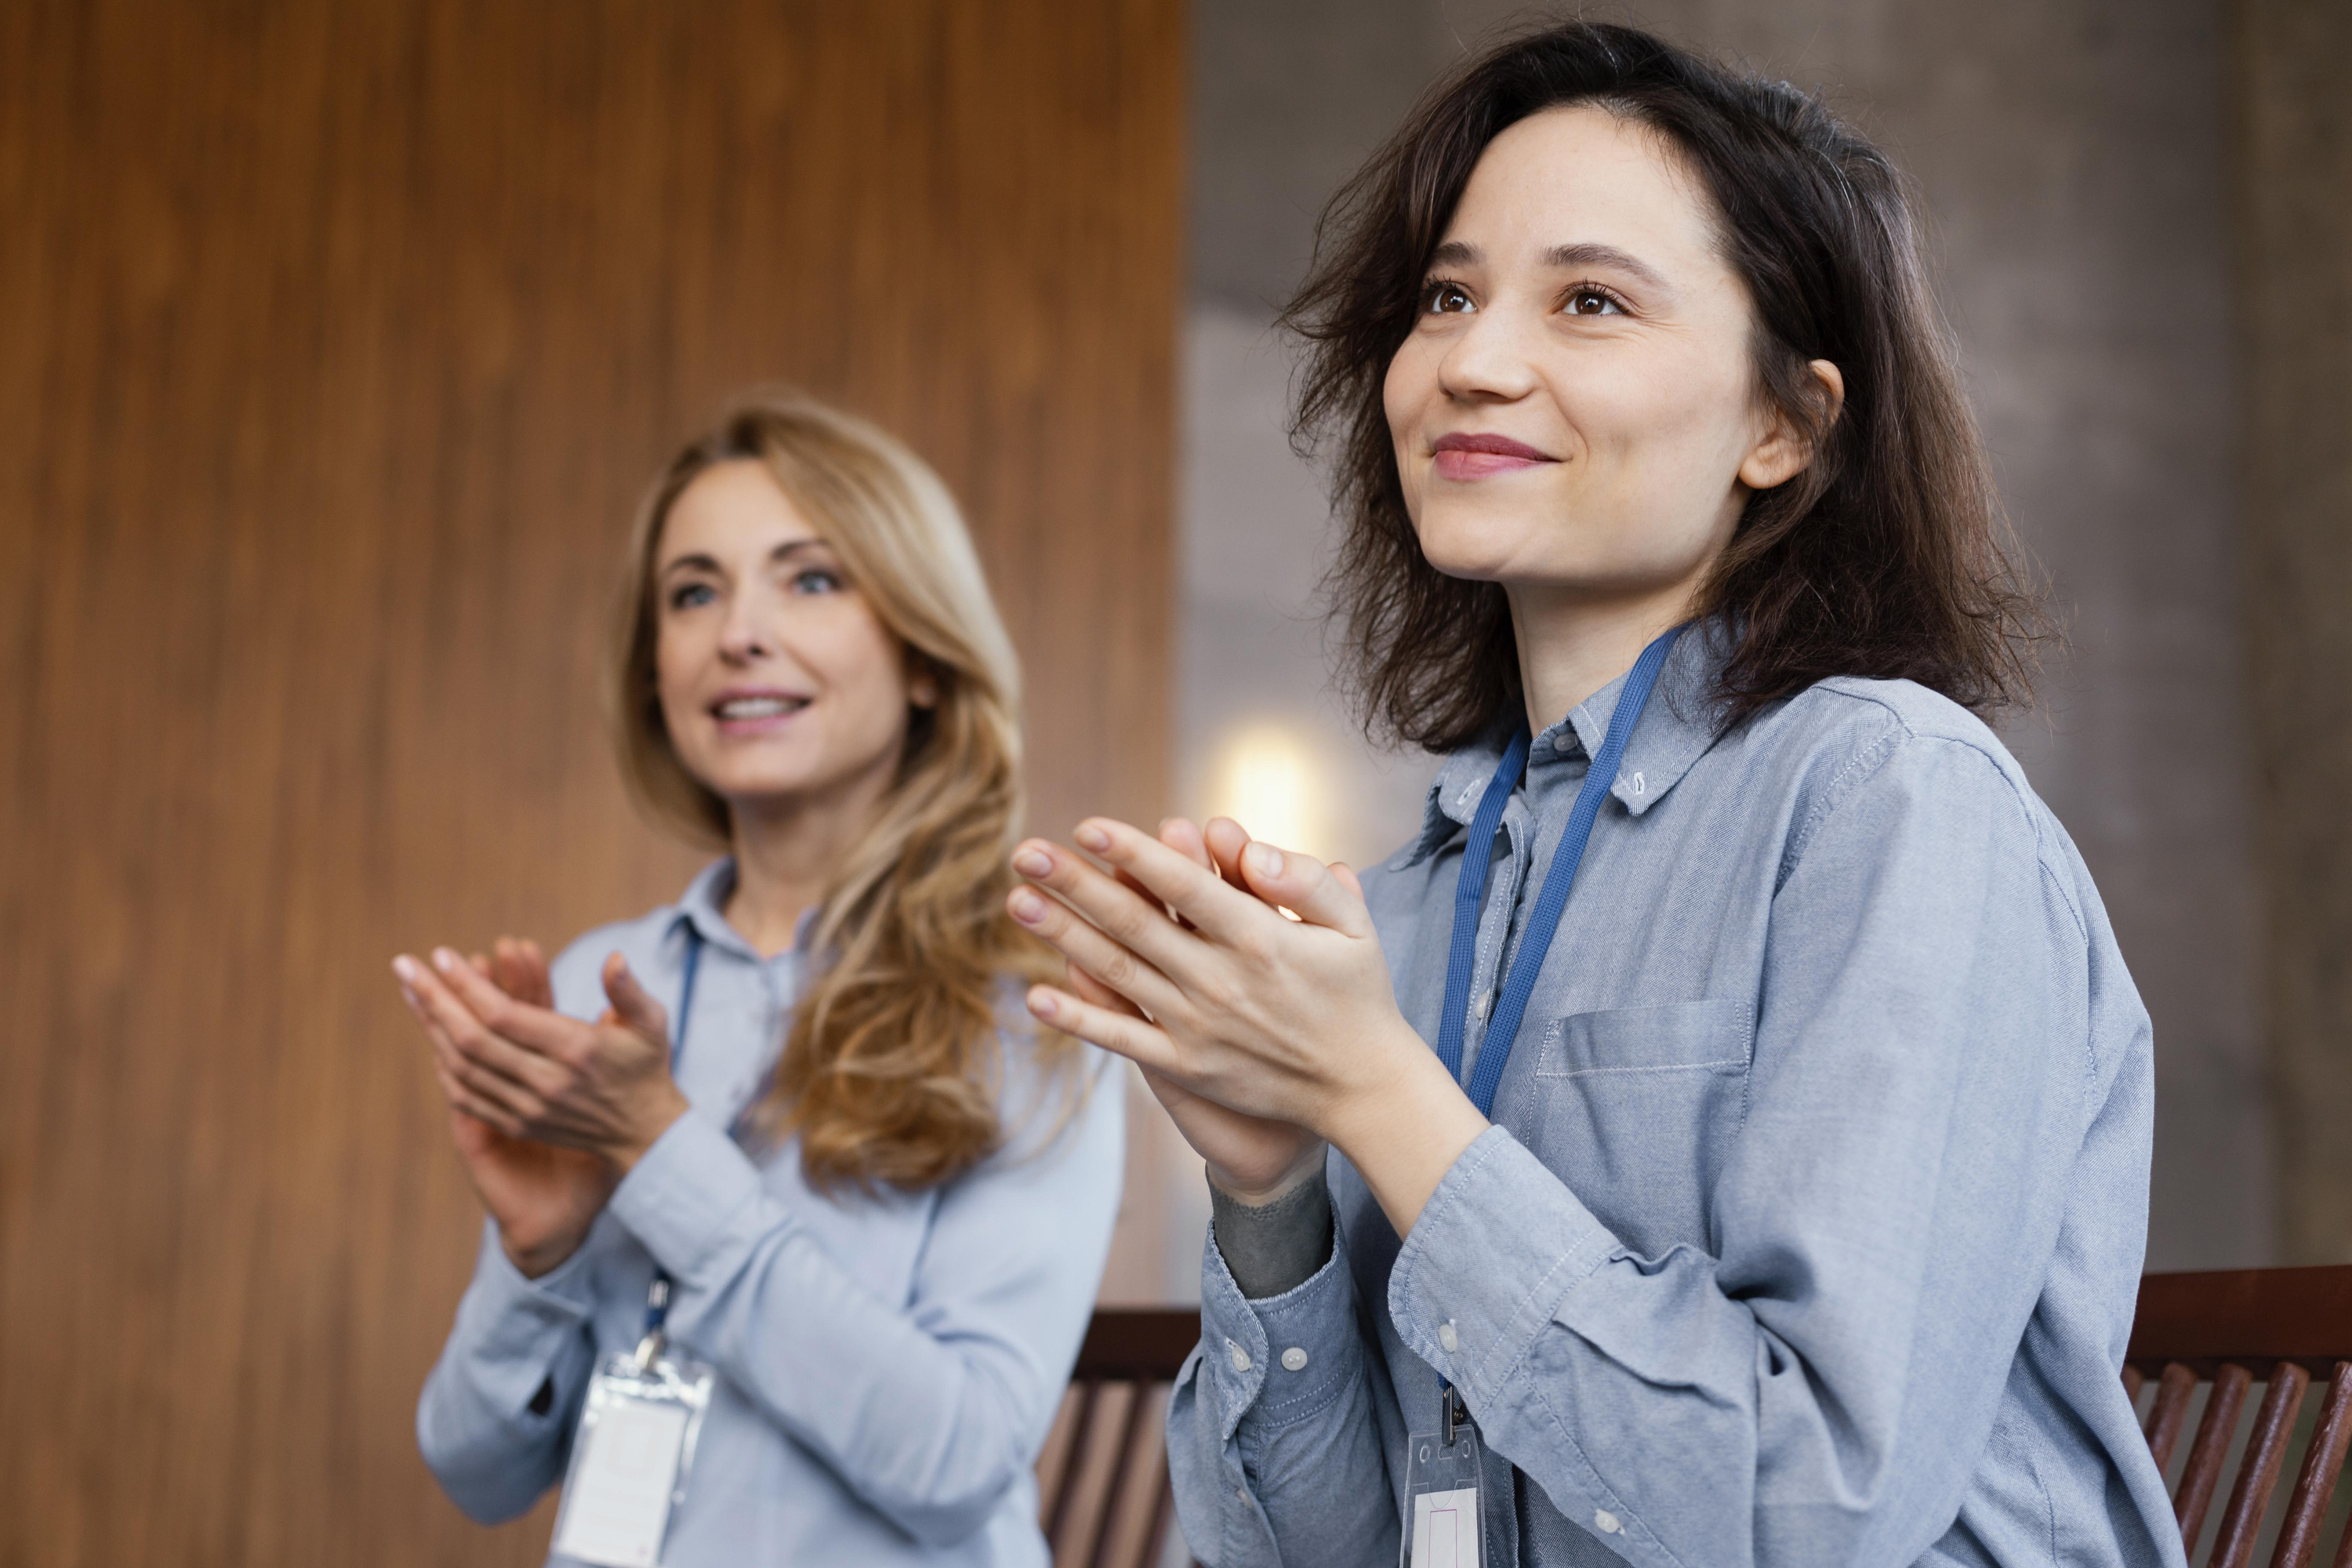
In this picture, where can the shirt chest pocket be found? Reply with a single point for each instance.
(1637, 1108)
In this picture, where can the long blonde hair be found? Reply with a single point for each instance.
(890, 1073)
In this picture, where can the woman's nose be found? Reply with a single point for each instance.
(743, 637)
(1488, 359)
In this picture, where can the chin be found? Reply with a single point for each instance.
(1482, 548)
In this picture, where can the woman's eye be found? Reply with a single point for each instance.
(1593, 302)
(816, 580)
(1446, 299)
(688, 595)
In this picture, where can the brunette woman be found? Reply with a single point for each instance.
(804, 1099)
(1777, 1197)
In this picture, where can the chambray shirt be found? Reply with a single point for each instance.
(1810, 1228)
(887, 1366)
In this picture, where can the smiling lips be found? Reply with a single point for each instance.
(746, 712)
(1471, 456)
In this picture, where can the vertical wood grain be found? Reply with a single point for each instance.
(2314, 1483)
(2258, 1470)
(336, 342)
(2209, 1450)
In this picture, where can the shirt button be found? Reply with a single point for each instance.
(1486, 1000)
(1635, 783)
(1294, 1360)
(1242, 1492)
(1447, 1337)
(1238, 1356)
(1606, 1522)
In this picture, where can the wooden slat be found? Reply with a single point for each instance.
(2252, 1315)
(2258, 1471)
(1115, 1491)
(1058, 1514)
(2206, 1455)
(1146, 1343)
(2164, 1422)
(2315, 1485)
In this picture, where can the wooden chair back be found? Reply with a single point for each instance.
(2286, 1328)
(1103, 1478)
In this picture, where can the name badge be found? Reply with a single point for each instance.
(631, 1457)
(1441, 1493)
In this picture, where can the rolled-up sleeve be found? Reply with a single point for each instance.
(494, 1423)
(930, 1408)
(1273, 1445)
(1816, 1386)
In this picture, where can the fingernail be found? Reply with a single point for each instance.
(1034, 863)
(1027, 906)
(405, 968)
(1263, 859)
(1089, 836)
(444, 960)
(1041, 1001)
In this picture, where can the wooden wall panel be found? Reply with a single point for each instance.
(336, 342)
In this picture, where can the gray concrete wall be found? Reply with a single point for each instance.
(2294, 146)
(2069, 153)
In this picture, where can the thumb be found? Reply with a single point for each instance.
(1306, 887)
(635, 1008)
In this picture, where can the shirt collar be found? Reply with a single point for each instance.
(1675, 731)
(703, 907)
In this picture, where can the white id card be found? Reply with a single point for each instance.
(1441, 1489)
(630, 1459)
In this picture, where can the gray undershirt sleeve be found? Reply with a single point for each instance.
(1275, 1248)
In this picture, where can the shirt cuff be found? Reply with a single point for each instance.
(683, 1199)
(512, 1329)
(1279, 1360)
(1498, 1245)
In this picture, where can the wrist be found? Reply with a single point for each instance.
(1404, 1130)
(1305, 1169)
(540, 1260)
(1403, 1079)
(647, 1130)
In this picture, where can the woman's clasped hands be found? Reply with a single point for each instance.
(547, 1111)
(1265, 1034)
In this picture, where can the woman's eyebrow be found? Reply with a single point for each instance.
(694, 561)
(1608, 256)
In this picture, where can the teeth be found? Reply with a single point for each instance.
(759, 707)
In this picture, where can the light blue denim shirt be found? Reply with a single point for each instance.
(888, 1367)
(1810, 1228)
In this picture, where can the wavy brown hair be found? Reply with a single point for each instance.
(890, 1074)
(1888, 556)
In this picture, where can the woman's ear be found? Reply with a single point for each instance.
(1784, 453)
(922, 682)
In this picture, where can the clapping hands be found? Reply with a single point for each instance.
(1248, 982)
(547, 1112)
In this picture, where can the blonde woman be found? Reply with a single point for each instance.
(801, 1098)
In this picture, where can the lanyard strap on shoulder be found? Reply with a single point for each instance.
(1543, 921)
(657, 1296)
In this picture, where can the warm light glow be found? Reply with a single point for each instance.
(1266, 778)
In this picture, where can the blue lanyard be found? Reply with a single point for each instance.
(657, 1296)
(1469, 893)
(686, 995)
